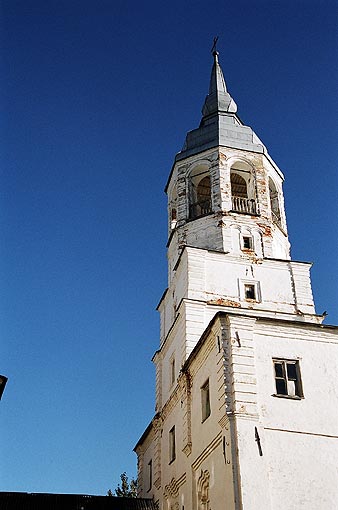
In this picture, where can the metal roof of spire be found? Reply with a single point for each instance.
(218, 100)
(217, 81)
(220, 124)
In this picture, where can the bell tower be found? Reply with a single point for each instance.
(239, 335)
(226, 222)
(225, 191)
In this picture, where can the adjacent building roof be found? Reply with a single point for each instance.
(31, 501)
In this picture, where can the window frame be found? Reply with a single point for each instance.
(257, 290)
(251, 243)
(287, 379)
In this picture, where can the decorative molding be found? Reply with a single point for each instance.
(171, 490)
(140, 463)
(157, 483)
(207, 451)
(223, 422)
(203, 489)
(187, 449)
(185, 385)
(182, 479)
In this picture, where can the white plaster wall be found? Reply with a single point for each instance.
(211, 436)
(196, 322)
(216, 275)
(300, 436)
(204, 233)
(179, 467)
(302, 471)
(206, 440)
(168, 308)
(280, 245)
(173, 348)
(316, 349)
(149, 455)
(255, 489)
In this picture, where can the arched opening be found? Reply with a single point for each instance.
(204, 191)
(238, 186)
(243, 188)
(199, 193)
(173, 218)
(274, 203)
(173, 209)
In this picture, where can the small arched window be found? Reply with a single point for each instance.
(274, 202)
(199, 193)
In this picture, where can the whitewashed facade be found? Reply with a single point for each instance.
(246, 412)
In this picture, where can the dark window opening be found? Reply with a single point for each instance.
(205, 396)
(173, 218)
(247, 243)
(172, 445)
(150, 474)
(250, 292)
(172, 371)
(274, 203)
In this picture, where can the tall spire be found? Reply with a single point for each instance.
(220, 125)
(218, 100)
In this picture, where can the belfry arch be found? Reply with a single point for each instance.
(274, 202)
(243, 188)
(199, 192)
(173, 209)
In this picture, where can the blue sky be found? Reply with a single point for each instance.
(96, 98)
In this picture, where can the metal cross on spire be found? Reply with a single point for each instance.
(214, 49)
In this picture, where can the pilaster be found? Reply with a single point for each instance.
(251, 482)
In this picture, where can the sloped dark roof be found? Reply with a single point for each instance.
(38, 501)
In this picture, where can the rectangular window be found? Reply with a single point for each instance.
(247, 243)
(205, 398)
(250, 291)
(172, 445)
(172, 371)
(287, 378)
(150, 474)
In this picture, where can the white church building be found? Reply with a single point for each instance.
(246, 414)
